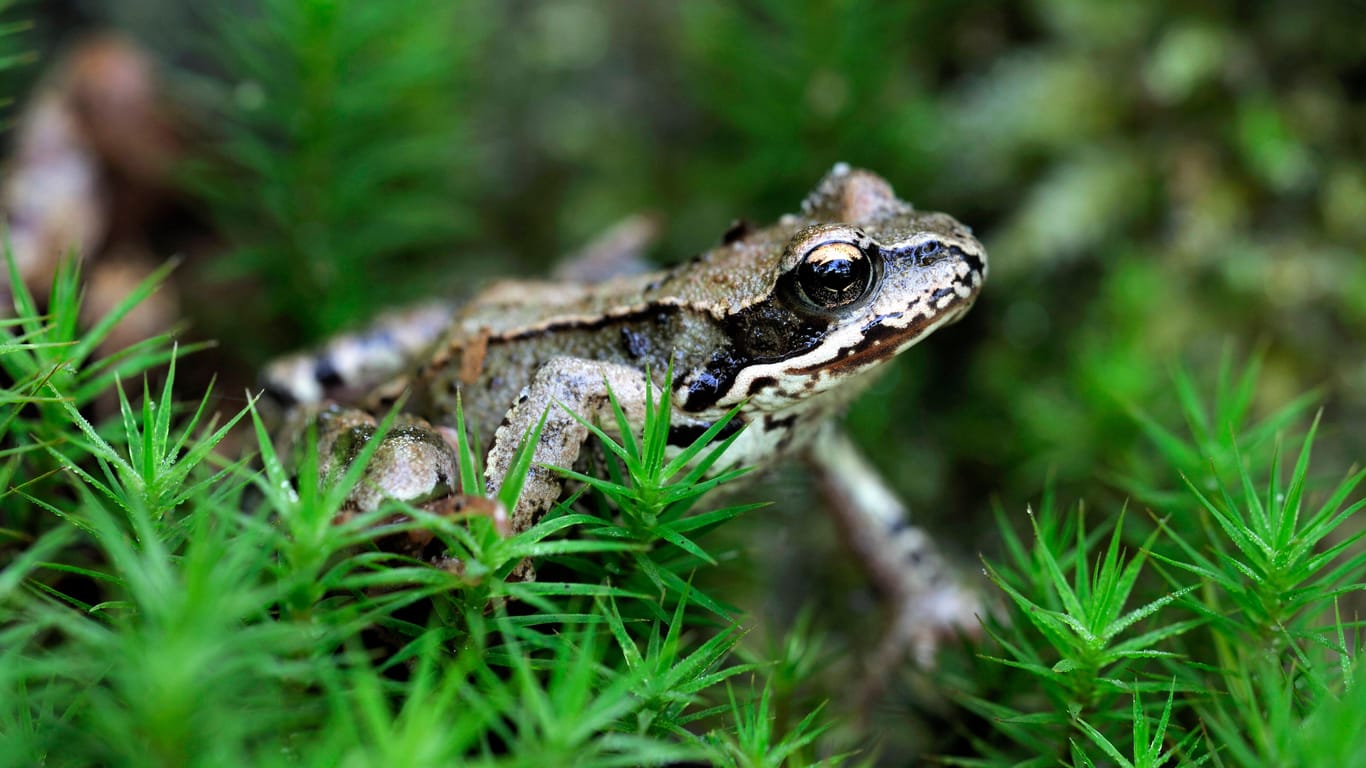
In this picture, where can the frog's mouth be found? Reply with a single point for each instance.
(881, 339)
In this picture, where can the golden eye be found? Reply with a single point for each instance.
(834, 275)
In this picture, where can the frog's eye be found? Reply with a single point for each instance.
(834, 275)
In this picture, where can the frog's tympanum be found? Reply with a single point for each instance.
(789, 321)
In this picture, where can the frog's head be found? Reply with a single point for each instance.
(864, 277)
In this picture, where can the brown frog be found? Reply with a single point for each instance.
(790, 322)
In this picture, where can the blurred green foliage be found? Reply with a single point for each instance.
(1154, 182)
(1157, 183)
(17, 56)
(336, 156)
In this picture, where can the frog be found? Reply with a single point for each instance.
(785, 325)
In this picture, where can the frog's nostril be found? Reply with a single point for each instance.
(929, 252)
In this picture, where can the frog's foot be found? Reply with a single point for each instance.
(413, 462)
(928, 607)
(927, 603)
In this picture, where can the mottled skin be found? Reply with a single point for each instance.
(791, 321)
(687, 315)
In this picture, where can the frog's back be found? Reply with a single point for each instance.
(672, 318)
(497, 342)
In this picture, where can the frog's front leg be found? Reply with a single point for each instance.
(926, 600)
(579, 385)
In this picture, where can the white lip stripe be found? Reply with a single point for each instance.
(779, 371)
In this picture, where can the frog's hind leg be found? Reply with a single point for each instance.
(927, 603)
(413, 462)
(350, 366)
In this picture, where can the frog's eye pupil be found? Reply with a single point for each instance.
(834, 275)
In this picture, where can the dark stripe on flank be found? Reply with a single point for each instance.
(659, 312)
(637, 345)
(684, 435)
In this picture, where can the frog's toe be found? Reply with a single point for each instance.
(920, 624)
(945, 610)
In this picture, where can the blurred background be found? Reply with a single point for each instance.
(1158, 184)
